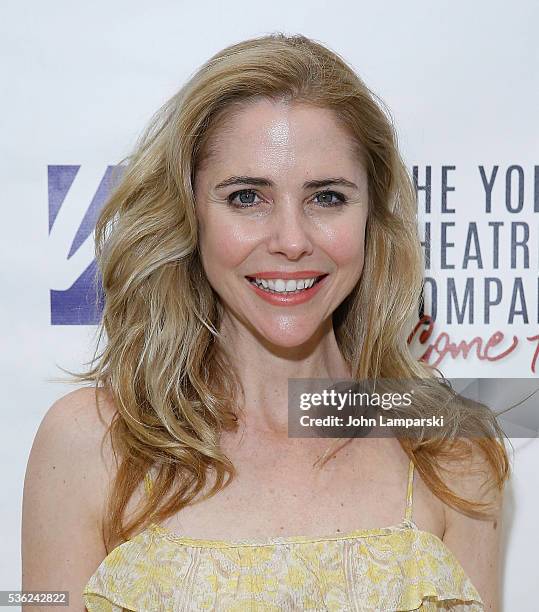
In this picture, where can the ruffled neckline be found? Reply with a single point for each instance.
(166, 533)
(157, 566)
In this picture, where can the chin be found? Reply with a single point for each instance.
(288, 337)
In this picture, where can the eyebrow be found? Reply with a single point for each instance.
(262, 182)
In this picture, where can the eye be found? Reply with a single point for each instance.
(244, 201)
(245, 198)
(341, 199)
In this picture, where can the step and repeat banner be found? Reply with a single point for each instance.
(479, 232)
(460, 79)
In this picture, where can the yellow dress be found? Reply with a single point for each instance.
(393, 568)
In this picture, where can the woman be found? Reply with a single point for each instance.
(263, 230)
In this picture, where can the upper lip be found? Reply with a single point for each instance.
(288, 275)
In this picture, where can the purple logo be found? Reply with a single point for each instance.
(76, 295)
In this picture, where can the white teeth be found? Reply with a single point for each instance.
(280, 285)
(291, 285)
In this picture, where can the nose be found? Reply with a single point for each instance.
(289, 231)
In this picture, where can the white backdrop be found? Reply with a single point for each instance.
(80, 81)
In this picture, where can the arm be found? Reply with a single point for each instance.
(63, 499)
(474, 542)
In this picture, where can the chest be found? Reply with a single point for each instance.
(278, 492)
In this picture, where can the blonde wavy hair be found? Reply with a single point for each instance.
(175, 392)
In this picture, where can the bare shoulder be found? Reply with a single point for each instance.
(476, 542)
(71, 435)
(66, 482)
(86, 405)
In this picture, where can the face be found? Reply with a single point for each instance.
(282, 197)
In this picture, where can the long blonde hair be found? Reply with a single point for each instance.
(174, 391)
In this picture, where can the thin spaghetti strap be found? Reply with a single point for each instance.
(409, 493)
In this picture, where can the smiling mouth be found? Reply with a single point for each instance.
(282, 287)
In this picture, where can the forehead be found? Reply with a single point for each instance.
(285, 134)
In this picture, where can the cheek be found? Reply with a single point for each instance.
(345, 242)
(225, 243)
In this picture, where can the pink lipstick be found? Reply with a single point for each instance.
(287, 298)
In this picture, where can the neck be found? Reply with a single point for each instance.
(264, 370)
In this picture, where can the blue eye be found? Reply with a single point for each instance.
(241, 193)
(340, 198)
